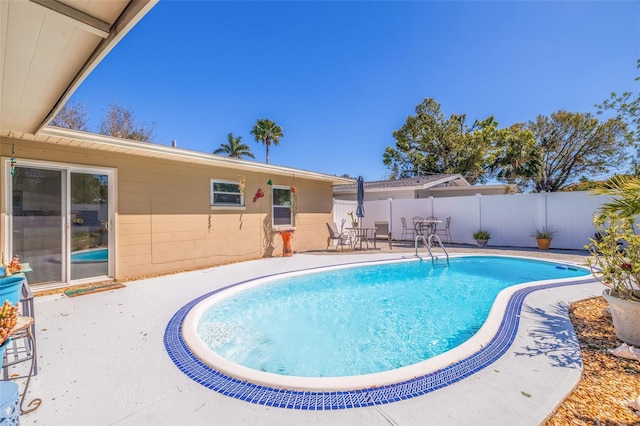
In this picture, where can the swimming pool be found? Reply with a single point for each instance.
(420, 376)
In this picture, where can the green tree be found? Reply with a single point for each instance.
(267, 132)
(234, 148)
(625, 191)
(518, 158)
(120, 122)
(574, 144)
(73, 115)
(627, 108)
(430, 142)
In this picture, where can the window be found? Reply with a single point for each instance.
(226, 194)
(282, 206)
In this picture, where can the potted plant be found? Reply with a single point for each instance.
(354, 221)
(544, 236)
(615, 255)
(481, 237)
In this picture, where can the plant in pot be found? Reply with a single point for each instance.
(354, 221)
(615, 255)
(543, 237)
(481, 237)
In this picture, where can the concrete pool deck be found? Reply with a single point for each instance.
(102, 359)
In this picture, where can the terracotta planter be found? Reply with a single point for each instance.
(543, 243)
(287, 251)
(626, 317)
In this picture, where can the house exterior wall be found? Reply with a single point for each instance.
(164, 221)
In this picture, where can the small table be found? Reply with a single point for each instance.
(361, 233)
(430, 224)
(425, 223)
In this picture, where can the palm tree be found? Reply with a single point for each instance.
(267, 132)
(235, 148)
(625, 190)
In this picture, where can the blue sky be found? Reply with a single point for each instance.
(340, 77)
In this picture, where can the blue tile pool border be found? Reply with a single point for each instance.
(210, 378)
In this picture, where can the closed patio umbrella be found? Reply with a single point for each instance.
(360, 209)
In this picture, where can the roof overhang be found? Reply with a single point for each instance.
(102, 143)
(48, 48)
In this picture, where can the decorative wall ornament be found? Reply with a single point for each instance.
(13, 160)
(259, 194)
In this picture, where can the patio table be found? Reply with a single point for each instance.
(361, 233)
(425, 223)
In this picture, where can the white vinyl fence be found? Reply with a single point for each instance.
(511, 219)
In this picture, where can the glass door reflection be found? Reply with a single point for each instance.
(89, 225)
(37, 222)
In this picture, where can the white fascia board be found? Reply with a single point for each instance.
(151, 149)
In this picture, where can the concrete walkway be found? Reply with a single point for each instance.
(102, 359)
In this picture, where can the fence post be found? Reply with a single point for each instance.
(390, 218)
(479, 200)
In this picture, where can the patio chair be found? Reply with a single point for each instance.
(22, 348)
(418, 226)
(445, 232)
(382, 231)
(406, 230)
(343, 238)
(430, 228)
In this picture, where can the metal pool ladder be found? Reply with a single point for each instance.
(428, 242)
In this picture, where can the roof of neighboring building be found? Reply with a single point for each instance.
(418, 182)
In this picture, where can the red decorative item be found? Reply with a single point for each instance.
(259, 194)
(287, 251)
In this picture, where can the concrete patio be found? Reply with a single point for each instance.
(102, 360)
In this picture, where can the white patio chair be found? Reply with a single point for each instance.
(343, 238)
(445, 232)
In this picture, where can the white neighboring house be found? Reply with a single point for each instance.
(441, 185)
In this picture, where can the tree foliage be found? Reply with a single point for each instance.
(517, 160)
(574, 144)
(627, 108)
(430, 142)
(120, 122)
(625, 190)
(73, 115)
(234, 148)
(267, 132)
(88, 189)
(615, 259)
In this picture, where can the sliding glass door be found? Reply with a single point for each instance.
(37, 222)
(89, 225)
(60, 224)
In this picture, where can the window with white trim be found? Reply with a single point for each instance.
(226, 193)
(282, 206)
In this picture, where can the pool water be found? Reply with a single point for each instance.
(364, 320)
(92, 255)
